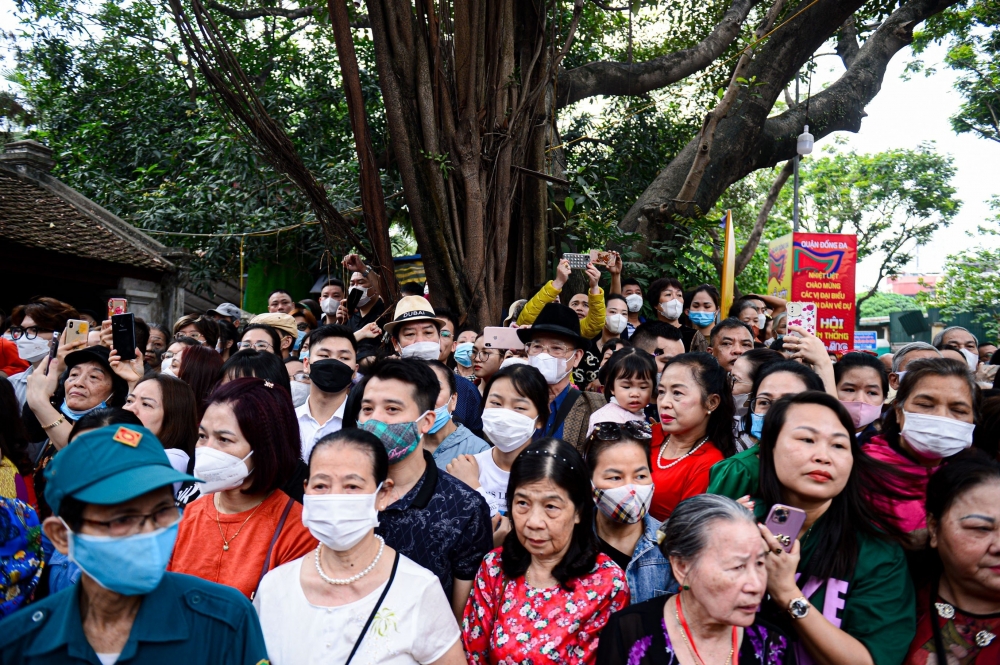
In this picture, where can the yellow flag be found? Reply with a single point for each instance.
(728, 266)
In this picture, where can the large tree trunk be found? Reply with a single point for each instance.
(467, 88)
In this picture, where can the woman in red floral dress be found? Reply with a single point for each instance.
(547, 593)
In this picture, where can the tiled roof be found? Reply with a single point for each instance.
(34, 216)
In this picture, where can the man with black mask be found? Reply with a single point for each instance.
(331, 365)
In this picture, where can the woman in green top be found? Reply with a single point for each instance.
(844, 588)
(737, 476)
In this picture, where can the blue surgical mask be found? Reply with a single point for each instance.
(298, 340)
(463, 354)
(702, 319)
(130, 565)
(76, 415)
(756, 425)
(441, 418)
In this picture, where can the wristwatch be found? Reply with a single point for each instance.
(367, 271)
(798, 608)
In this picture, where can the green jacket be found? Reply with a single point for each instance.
(876, 606)
(183, 620)
(736, 476)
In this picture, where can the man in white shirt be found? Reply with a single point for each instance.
(331, 366)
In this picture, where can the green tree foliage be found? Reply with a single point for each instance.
(135, 129)
(971, 31)
(971, 280)
(884, 304)
(894, 201)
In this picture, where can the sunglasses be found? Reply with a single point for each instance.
(633, 429)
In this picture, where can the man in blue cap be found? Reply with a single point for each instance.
(114, 515)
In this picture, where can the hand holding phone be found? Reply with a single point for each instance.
(803, 315)
(502, 338)
(76, 330)
(577, 261)
(784, 523)
(117, 306)
(123, 335)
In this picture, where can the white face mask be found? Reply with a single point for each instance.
(616, 323)
(300, 393)
(340, 521)
(672, 309)
(329, 306)
(761, 321)
(422, 350)
(936, 437)
(32, 350)
(365, 295)
(507, 430)
(165, 367)
(971, 359)
(634, 302)
(553, 369)
(220, 471)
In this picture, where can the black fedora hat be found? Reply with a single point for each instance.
(559, 320)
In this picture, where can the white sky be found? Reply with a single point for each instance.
(903, 115)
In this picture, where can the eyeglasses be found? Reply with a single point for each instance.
(762, 403)
(301, 377)
(193, 335)
(256, 346)
(131, 524)
(302, 326)
(31, 332)
(554, 350)
(445, 334)
(483, 353)
(635, 429)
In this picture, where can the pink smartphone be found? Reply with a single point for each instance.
(502, 338)
(785, 522)
(802, 314)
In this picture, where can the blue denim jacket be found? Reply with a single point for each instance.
(648, 573)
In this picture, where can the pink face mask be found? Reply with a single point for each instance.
(862, 414)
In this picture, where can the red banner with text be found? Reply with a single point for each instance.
(818, 268)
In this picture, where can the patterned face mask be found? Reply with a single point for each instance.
(399, 439)
(627, 504)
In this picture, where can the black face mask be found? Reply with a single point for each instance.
(330, 375)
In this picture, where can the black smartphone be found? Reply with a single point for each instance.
(123, 335)
(353, 298)
(54, 346)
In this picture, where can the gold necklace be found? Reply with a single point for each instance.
(225, 543)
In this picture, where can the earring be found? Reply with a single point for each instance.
(686, 587)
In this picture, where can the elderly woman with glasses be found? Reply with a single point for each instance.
(618, 457)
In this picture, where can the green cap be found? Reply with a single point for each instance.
(109, 465)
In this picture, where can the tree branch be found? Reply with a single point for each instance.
(623, 78)
(847, 42)
(743, 258)
(841, 107)
(258, 12)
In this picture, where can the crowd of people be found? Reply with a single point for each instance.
(631, 477)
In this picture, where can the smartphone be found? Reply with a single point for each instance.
(353, 298)
(502, 338)
(600, 257)
(123, 335)
(577, 261)
(54, 346)
(802, 314)
(76, 330)
(117, 306)
(785, 522)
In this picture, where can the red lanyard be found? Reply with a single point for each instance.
(690, 637)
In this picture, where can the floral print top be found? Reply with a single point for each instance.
(638, 636)
(507, 622)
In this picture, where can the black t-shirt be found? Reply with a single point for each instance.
(616, 555)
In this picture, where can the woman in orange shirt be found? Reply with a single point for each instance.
(695, 431)
(243, 525)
